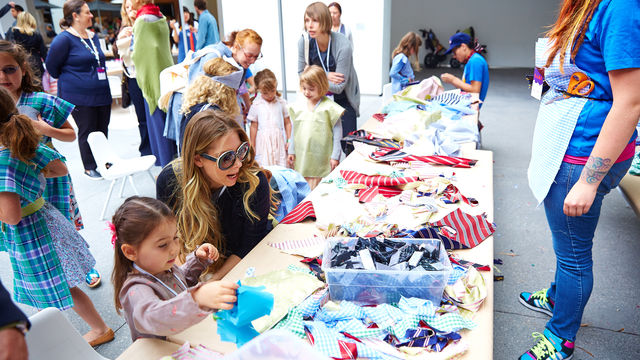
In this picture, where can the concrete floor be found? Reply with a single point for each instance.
(611, 324)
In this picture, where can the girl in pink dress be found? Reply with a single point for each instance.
(270, 123)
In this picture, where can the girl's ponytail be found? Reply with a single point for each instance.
(16, 131)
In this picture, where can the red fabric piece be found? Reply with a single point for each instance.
(379, 117)
(470, 230)
(353, 177)
(299, 213)
(453, 195)
(389, 155)
(149, 9)
(366, 195)
(348, 350)
(468, 264)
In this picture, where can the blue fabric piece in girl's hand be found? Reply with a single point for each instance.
(235, 325)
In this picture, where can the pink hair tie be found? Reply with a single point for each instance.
(114, 237)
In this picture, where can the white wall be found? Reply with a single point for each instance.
(365, 17)
(509, 28)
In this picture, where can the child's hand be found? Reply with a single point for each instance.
(216, 295)
(448, 78)
(207, 251)
(334, 163)
(291, 160)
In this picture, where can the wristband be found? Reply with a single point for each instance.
(18, 325)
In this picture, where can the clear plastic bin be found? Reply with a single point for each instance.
(369, 287)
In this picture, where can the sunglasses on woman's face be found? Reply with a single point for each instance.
(9, 70)
(226, 160)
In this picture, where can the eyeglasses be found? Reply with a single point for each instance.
(226, 160)
(9, 70)
(249, 56)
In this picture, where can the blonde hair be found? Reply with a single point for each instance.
(266, 81)
(410, 41)
(126, 20)
(573, 20)
(315, 75)
(198, 218)
(319, 12)
(206, 90)
(26, 23)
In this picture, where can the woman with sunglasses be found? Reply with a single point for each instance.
(219, 193)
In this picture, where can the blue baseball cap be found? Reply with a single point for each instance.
(457, 40)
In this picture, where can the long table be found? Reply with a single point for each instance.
(475, 182)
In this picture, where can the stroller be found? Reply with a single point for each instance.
(435, 50)
(482, 49)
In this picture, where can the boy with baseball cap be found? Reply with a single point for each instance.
(475, 77)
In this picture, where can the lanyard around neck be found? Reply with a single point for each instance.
(135, 266)
(326, 69)
(91, 49)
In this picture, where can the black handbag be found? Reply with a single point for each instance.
(126, 97)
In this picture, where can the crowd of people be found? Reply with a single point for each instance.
(214, 200)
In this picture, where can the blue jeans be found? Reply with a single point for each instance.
(572, 243)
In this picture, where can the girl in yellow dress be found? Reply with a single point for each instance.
(317, 129)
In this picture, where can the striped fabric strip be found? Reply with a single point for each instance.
(366, 195)
(470, 230)
(354, 177)
(431, 233)
(297, 244)
(398, 155)
(367, 138)
(299, 213)
(451, 195)
(449, 98)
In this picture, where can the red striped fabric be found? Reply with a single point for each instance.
(368, 194)
(470, 230)
(348, 350)
(452, 195)
(398, 155)
(299, 213)
(354, 177)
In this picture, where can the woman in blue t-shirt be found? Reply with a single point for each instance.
(583, 144)
(76, 60)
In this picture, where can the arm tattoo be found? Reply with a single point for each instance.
(595, 169)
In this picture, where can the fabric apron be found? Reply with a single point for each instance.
(313, 145)
(555, 124)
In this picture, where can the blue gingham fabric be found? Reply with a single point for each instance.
(555, 124)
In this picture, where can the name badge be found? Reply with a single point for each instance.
(102, 73)
(536, 85)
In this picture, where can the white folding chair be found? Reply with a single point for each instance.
(115, 85)
(386, 93)
(113, 167)
(53, 337)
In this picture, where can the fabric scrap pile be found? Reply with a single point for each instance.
(347, 331)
